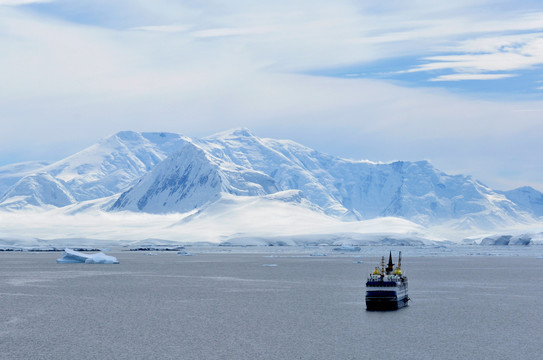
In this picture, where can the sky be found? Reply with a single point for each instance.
(456, 83)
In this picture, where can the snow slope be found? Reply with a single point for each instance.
(189, 179)
(280, 218)
(286, 218)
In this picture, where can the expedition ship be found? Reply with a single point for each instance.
(386, 288)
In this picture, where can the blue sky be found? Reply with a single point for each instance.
(459, 84)
(522, 84)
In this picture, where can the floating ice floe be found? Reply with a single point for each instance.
(347, 248)
(71, 256)
(269, 265)
(184, 253)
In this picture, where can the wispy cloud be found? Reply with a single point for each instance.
(220, 32)
(483, 55)
(460, 77)
(22, 2)
(163, 28)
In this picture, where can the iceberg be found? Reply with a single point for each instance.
(71, 256)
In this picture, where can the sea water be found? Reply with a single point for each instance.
(253, 306)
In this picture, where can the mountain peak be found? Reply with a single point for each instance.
(527, 197)
(126, 135)
(526, 189)
(233, 133)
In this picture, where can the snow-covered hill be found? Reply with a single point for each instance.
(283, 218)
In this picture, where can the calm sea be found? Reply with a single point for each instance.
(252, 306)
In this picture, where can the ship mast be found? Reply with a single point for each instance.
(398, 270)
(390, 267)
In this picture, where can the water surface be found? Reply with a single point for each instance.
(252, 306)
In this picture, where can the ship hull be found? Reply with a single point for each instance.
(385, 303)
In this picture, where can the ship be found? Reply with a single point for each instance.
(386, 288)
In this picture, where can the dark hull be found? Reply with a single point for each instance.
(385, 303)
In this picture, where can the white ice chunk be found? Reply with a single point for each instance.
(347, 248)
(72, 256)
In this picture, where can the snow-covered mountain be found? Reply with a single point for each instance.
(39, 189)
(528, 198)
(240, 163)
(189, 179)
(103, 169)
(10, 174)
(169, 173)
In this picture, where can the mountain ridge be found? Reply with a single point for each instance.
(167, 173)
